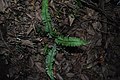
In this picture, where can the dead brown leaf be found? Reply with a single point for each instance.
(3, 5)
(29, 30)
(27, 43)
(31, 62)
(84, 77)
(70, 74)
(38, 65)
(71, 19)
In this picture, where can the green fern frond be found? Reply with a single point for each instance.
(45, 15)
(51, 52)
(70, 41)
(47, 19)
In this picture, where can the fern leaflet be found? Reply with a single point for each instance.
(47, 19)
(70, 41)
(51, 52)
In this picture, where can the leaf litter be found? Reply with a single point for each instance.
(21, 61)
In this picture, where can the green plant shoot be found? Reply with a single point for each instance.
(51, 52)
(59, 39)
(70, 41)
(47, 19)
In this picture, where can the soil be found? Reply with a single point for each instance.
(22, 40)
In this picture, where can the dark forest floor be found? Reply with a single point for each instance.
(22, 41)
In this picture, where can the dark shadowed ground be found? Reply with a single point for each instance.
(22, 40)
